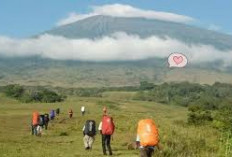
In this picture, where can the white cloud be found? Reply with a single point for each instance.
(119, 46)
(214, 27)
(120, 10)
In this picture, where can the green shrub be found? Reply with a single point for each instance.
(32, 95)
(14, 91)
(198, 116)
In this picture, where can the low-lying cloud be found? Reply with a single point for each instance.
(118, 46)
(120, 10)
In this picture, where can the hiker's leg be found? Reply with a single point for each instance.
(39, 130)
(32, 130)
(104, 144)
(149, 152)
(143, 152)
(91, 140)
(108, 138)
(35, 130)
(85, 139)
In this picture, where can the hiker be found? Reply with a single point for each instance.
(83, 110)
(57, 111)
(46, 120)
(35, 122)
(106, 128)
(147, 137)
(52, 114)
(41, 121)
(89, 131)
(70, 112)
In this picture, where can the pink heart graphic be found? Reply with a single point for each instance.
(178, 59)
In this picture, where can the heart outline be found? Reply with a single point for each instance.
(178, 59)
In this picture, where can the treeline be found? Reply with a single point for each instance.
(27, 95)
(207, 104)
(93, 92)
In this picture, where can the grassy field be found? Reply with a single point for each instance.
(64, 137)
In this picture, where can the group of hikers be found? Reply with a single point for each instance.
(106, 129)
(147, 133)
(40, 121)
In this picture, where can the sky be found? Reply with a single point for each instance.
(22, 19)
(25, 18)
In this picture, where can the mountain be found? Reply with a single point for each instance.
(98, 26)
(67, 73)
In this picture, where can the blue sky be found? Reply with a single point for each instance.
(23, 18)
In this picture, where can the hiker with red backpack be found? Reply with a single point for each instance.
(35, 122)
(106, 128)
(147, 137)
(89, 131)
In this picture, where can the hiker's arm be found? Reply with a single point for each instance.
(137, 141)
(83, 130)
(100, 128)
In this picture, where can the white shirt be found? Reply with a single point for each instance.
(137, 138)
(82, 108)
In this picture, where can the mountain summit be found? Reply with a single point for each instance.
(99, 26)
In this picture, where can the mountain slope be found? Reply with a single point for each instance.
(98, 26)
(46, 72)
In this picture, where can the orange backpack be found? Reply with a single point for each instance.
(148, 133)
(35, 118)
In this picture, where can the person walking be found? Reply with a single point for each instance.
(70, 113)
(52, 114)
(46, 120)
(89, 132)
(106, 128)
(147, 137)
(83, 110)
(35, 122)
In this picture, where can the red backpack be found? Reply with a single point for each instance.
(35, 118)
(107, 125)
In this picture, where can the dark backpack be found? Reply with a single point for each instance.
(90, 128)
(41, 120)
(46, 118)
